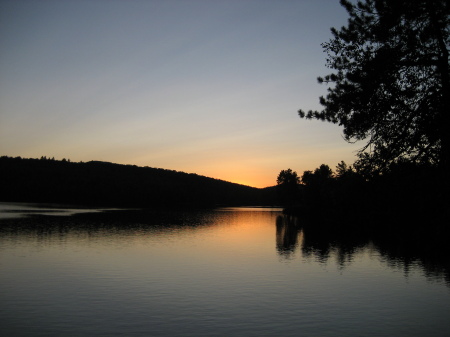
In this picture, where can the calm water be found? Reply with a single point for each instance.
(223, 272)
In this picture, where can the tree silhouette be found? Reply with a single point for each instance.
(319, 176)
(391, 84)
(323, 172)
(287, 183)
(318, 186)
(288, 177)
(343, 170)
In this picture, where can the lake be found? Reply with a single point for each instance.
(67, 271)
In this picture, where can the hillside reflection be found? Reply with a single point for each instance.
(404, 251)
(119, 228)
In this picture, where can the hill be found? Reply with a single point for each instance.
(108, 184)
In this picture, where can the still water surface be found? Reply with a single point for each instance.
(222, 272)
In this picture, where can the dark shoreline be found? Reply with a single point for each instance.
(102, 184)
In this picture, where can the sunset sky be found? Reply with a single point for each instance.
(200, 86)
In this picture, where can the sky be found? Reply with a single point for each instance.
(200, 86)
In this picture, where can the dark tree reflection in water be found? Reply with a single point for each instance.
(287, 235)
(401, 251)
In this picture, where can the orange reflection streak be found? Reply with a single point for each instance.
(225, 234)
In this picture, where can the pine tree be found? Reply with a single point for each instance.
(390, 86)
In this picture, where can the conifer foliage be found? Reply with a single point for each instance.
(390, 83)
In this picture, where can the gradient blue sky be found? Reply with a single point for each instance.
(208, 87)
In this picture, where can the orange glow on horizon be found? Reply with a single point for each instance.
(258, 179)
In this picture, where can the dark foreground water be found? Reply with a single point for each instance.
(222, 272)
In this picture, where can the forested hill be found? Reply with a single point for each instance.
(108, 184)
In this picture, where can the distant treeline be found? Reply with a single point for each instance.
(107, 184)
(408, 197)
